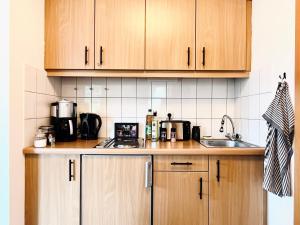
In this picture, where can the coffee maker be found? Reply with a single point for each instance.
(64, 120)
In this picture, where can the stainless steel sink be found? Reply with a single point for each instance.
(220, 143)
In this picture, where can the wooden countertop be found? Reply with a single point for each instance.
(151, 148)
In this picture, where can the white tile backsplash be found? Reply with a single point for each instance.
(68, 87)
(114, 87)
(204, 108)
(204, 88)
(189, 108)
(30, 106)
(84, 87)
(205, 126)
(218, 108)
(174, 88)
(30, 78)
(128, 87)
(98, 87)
(143, 88)
(219, 88)
(128, 99)
(189, 88)
(114, 107)
(129, 107)
(159, 89)
(174, 107)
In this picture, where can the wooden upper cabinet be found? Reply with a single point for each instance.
(52, 190)
(236, 196)
(221, 34)
(69, 34)
(170, 35)
(119, 34)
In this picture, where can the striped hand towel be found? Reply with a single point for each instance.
(280, 119)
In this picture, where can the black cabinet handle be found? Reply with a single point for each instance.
(218, 170)
(181, 163)
(101, 55)
(203, 56)
(189, 56)
(86, 50)
(200, 193)
(71, 170)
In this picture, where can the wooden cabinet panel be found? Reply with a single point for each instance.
(50, 198)
(119, 30)
(180, 163)
(113, 190)
(221, 30)
(176, 198)
(170, 31)
(238, 197)
(69, 28)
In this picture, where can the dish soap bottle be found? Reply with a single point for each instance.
(148, 128)
(155, 134)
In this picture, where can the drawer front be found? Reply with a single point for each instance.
(180, 163)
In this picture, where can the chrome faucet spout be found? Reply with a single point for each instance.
(234, 136)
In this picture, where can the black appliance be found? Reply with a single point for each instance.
(196, 133)
(64, 120)
(126, 136)
(90, 124)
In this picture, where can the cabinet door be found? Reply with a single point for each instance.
(236, 196)
(114, 192)
(119, 37)
(69, 34)
(177, 199)
(52, 190)
(221, 35)
(170, 35)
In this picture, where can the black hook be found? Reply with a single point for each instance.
(283, 77)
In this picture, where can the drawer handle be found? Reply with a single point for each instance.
(71, 170)
(200, 193)
(189, 56)
(181, 163)
(86, 51)
(101, 55)
(203, 56)
(218, 170)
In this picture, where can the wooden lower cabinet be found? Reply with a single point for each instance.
(113, 190)
(236, 196)
(52, 190)
(178, 198)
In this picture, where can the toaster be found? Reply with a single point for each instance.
(183, 128)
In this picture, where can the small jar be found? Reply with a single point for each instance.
(163, 134)
(173, 134)
(40, 139)
(48, 131)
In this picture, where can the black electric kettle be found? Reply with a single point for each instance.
(90, 124)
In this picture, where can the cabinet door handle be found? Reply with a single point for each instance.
(189, 56)
(101, 55)
(148, 174)
(181, 163)
(86, 51)
(218, 170)
(203, 56)
(201, 187)
(71, 170)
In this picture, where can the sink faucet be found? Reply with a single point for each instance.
(234, 136)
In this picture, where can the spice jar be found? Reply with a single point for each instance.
(163, 134)
(173, 134)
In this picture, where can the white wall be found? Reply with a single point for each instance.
(26, 48)
(4, 93)
(273, 53)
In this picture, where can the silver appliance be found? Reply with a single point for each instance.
(63, 109)
(183, 128)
